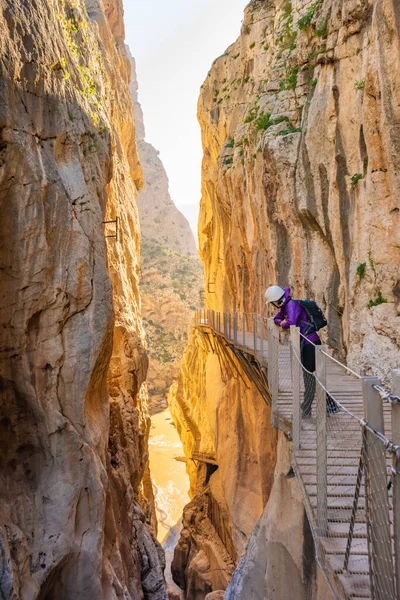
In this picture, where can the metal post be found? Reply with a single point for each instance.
(296, 357)
(396, 477)
(262, 337)
(235, 328)
(380, 560)
(213, 319)
(273, 365)
(244, 328)
(255, 331)
(322, 446)
(230, 325)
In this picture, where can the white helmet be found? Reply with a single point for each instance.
(274, 293)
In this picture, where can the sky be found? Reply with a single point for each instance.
(174, 43)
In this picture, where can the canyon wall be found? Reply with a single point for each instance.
(76, 500)
(300, 177)
(300, 171)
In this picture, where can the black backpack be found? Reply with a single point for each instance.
(315, 315)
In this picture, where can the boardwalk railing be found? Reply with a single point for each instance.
(346, 452)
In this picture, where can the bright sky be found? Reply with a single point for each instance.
(174, 43)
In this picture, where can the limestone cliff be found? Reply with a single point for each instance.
(172, 275)
(300, 172)
(73, 415)
(300, 177)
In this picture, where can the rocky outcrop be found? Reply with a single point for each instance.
(300, 180)
(225, 428)
(280, 557)
(170, 290)
(73, 415)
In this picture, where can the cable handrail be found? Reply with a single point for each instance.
(347, 468)
(342, 365)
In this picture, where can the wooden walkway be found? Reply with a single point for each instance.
(343, 545)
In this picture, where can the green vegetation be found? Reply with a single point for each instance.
(322, 28)
(361, 270)
(378, 300)
(251, 116)
(356, 178)
(264, 121)
(230, 143)
(371, 261)
(252, 45)
(306, 20)
(314, 83)
(290, 81)
(360, 85)
(290, 129)
(228, 161)
(287, 9)
(287, 39)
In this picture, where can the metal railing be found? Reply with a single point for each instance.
(346, 452)
(247, 330)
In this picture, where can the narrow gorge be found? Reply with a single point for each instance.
(100, 281)
(299, 187)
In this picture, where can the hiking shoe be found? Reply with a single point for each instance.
(290, 474)
(306, 414)
(331, 410)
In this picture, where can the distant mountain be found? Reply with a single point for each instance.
(172, 274)
(191, 212)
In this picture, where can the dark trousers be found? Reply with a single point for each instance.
(308, 362)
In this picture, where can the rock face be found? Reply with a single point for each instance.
(74, 496)
(300, 171)
(172, 274)
(300, 177)
(170, 290)
(225, 428)
(279, 560)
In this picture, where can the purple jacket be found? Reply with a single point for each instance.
(292, 313)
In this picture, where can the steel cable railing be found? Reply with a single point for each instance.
(347, 467)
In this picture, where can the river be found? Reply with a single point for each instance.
(170, 483)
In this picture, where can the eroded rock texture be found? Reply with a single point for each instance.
(73, 451)
(300, 173)
(222, 417)
(300, 187)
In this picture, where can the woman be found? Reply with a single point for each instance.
(292, 313)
